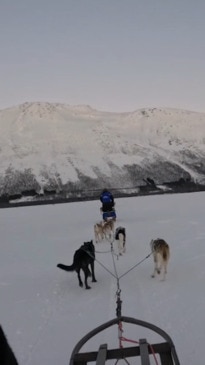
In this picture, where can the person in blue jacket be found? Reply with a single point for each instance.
(107, 201)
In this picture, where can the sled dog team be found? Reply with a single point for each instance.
(84, 257)
(159, 247)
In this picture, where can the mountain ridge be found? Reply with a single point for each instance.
(58, 146)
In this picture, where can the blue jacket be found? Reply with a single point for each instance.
(106, 197)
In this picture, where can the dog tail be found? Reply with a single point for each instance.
(66, 267)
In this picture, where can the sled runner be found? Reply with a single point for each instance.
(165, 350)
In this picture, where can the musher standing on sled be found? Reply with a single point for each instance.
(107, 201)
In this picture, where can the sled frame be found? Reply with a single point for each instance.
(166, 350)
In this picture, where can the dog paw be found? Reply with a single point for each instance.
(88, 287)
(152, 276)
(94, 281)
(81, 285)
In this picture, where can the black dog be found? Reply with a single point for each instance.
(83, 257)
(7, 356)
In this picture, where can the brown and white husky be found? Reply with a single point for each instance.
(161, 255)
(99, 232)
(104, 230)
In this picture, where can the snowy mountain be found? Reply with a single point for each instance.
(63, 147)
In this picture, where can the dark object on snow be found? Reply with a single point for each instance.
(7, 356)
(150, 182)
(83, 258)
(15, 196)
(49, 192)
(31, 192)
(4, 198)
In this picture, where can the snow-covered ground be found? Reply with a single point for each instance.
(43, 310)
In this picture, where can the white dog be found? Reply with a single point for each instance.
(120, 237)
(161, 255)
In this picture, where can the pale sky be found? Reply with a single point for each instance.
(115, 55)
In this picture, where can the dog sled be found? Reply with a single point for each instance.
(109, 215)
(164, 353)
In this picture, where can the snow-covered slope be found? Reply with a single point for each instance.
(57, 145)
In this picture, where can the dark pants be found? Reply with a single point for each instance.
(107, 207)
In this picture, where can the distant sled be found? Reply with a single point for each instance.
(109, 215)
